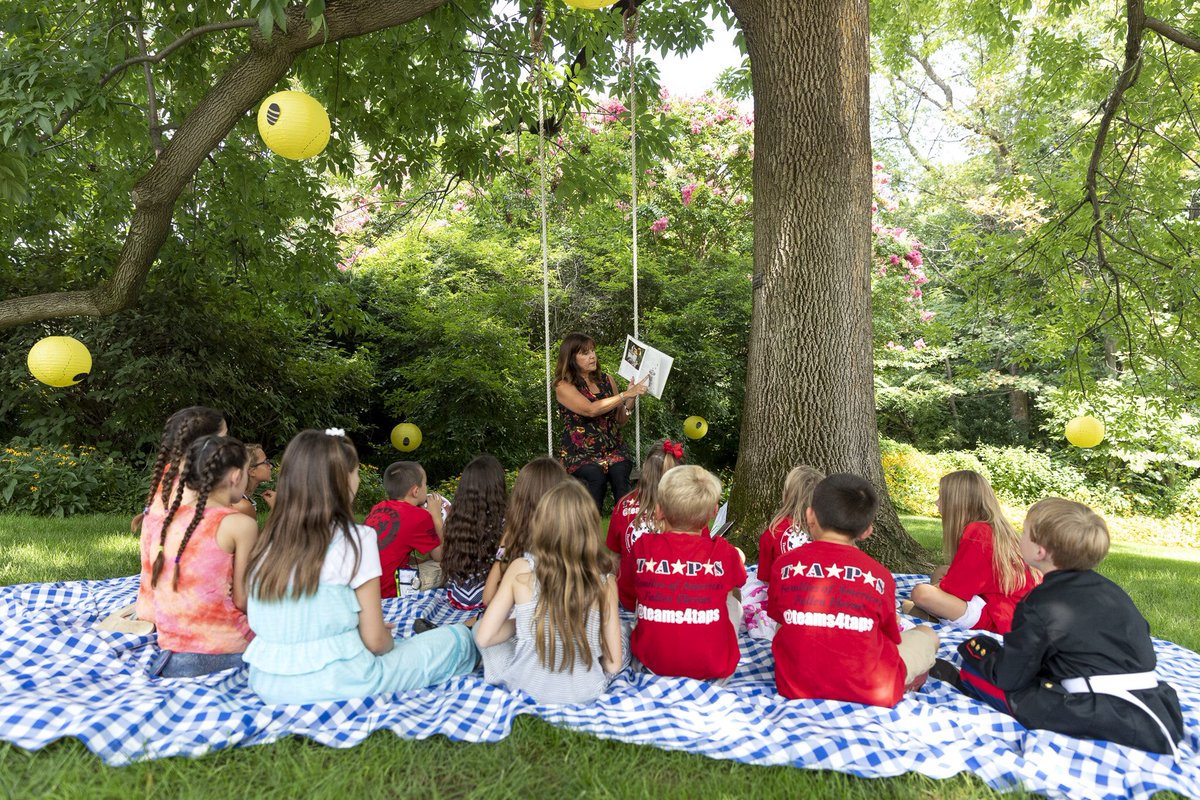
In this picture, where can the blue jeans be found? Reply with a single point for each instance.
(169, 664)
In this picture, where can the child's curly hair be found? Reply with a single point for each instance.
(476, 521)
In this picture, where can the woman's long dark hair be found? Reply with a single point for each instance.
(476, 521)
(566, 369)
(312, 502)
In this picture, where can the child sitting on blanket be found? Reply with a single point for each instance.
(838, 635)
(473, 532)
(198, 574)
(986, 577)
(314, 602)
(686, 584)
(533, 481)
(258, 473)
(403, 522)
(183, 427)
(1079, 659)
(633, 515)
(786, 532)
(553, 629)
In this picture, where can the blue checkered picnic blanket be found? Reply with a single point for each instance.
(60, 677)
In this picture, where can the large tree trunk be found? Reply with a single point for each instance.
(810, 394)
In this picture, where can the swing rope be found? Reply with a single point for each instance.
(537, 31)
(631, 20)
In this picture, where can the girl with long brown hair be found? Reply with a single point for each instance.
(563, 642)
(634, 514)
(986, 577)
(473, 531)
(533, 481)
(197, 577)
(314, 602)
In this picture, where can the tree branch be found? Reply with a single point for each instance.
(1174, 34)
(144, 58)
(151, 96)
(242, 86)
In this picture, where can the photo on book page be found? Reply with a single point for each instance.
(641, 360)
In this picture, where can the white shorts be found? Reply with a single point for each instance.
(970, 617)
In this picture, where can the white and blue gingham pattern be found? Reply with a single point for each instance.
(61, 677)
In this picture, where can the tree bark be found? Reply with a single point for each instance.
(810, 379)
(239, 89)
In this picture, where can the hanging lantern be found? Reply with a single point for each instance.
(406, 437)
(1085, 431)
(59, 361)
(590, 5)
(695, 427)
(293, 125)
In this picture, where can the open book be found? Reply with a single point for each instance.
(642, 360)
(722, 523)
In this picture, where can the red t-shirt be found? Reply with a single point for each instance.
(402, 528)
(774, 542)
(622, 533)
(971, 574)
(838, 635)
(682, 582)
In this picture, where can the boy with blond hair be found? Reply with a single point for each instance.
(683, 582)
(1079, 659)
(839, 637)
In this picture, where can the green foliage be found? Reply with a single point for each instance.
(64, 480)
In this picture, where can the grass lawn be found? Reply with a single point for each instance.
(537, 760)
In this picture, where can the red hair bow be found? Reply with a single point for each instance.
(674, 449)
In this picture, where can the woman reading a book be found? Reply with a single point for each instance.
(593, 412)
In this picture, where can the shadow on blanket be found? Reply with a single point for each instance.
(62, 677)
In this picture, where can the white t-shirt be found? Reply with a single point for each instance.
(338, 568)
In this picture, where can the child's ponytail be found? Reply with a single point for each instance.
(664, 456)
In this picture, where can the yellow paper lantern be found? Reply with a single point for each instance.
(293, 125)
(695, 427)
(406, 437)
(59, 361)
(1085, 431)
(590, 5)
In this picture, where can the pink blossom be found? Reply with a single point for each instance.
(919, 277)
(876, 228)
(651, 184)
(916, 293)
(400, 203)
(611, 109)
(882, 272)
(898, 233)
(927, 315)
(899, 348)
(687, 192)
(527, 192)
(622, 205)
(878, 167)
(739, 199)
(885, 179)
(659, 225)
(915, 258)
(696, 126)
(378, 188)
(919, 344)
(874, 207)
(894, 259)
(663, 94)
(461, 205)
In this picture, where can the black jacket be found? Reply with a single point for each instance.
(1080, 624)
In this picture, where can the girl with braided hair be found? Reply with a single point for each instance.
(198, 574)
(183, 427)
(314, 600)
